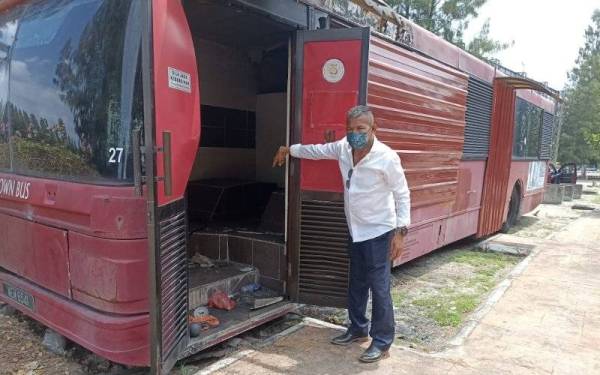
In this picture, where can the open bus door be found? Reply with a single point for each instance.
(171, 138)
(330, 76)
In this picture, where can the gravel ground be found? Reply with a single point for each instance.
(22, 351)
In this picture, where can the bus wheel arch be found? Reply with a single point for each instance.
(514, 207)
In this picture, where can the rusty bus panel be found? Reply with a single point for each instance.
(419, 106)
(497, 171)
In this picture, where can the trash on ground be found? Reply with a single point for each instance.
(203, 261)
(220, 300)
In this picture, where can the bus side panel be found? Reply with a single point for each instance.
(419, 106)
(465, 213)
(35, 252)
(99, 211)
(519, 174)
(119, 338)
(430, 232)
(109, 275)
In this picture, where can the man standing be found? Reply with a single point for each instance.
(377, 205)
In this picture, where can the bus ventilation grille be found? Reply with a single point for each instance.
(324, 263)
(547, 135)
(173, 283)
(478, 118)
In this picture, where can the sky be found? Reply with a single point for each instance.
(547, 34)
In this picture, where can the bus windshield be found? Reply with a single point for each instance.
(75, 90)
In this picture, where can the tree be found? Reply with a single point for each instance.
(580, 136)
(449, 19)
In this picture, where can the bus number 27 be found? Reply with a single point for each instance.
(116, 154)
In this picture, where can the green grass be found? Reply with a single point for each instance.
(185, 370)
(596, 199)
(480, 259)
(399, 297)
(449, 306)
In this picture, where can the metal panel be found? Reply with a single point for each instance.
(547, 132)
(497, 172)
(324, 263)
(173, 279)
(319, 182)
(419, 106)
(478, 117)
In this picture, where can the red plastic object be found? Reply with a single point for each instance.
(220, 300)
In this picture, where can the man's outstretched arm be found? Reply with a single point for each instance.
(329, 151)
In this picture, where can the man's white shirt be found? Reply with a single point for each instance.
(378, 199)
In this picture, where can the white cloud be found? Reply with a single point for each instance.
(547, 34)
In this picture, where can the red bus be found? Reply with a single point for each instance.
(135, 147)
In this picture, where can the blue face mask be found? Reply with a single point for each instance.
(357, 140)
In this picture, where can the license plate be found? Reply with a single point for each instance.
(19, 295)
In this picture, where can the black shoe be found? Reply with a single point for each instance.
(373, 354)
(348, 338)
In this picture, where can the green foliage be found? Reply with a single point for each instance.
(52, 159)
(483, 46)
(449, 19)
(580, 133)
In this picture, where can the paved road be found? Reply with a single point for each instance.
(547, 322)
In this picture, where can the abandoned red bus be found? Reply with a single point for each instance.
(135, 147)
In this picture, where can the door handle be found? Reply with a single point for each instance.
(167, 163)
(137, 160)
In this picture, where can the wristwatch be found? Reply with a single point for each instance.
(402, 230)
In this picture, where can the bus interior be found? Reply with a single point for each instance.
(235, 199)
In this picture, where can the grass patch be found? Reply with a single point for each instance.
(480, 259)
(448, 306)
(596, 199)
(448, 309)
(399, 298)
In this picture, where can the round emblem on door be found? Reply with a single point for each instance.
(333, 70)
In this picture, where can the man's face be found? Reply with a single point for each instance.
(362, 124)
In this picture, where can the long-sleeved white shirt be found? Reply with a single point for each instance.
(378, 199)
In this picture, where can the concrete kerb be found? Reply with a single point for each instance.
(554, 194)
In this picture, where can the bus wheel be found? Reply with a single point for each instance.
(513, 210)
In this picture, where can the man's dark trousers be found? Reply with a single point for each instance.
(370, 269)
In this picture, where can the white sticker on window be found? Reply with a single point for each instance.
(180, 80)
(537, 175)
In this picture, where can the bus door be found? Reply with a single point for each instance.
(330, 77)
(171, 138)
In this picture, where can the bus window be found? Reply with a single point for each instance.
(8, 29)
(528, 122)
(75, 90)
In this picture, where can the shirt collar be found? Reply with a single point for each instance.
(377, 146)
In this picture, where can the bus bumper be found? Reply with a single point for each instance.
(119, 338)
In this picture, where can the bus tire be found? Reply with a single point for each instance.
(513, 210)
